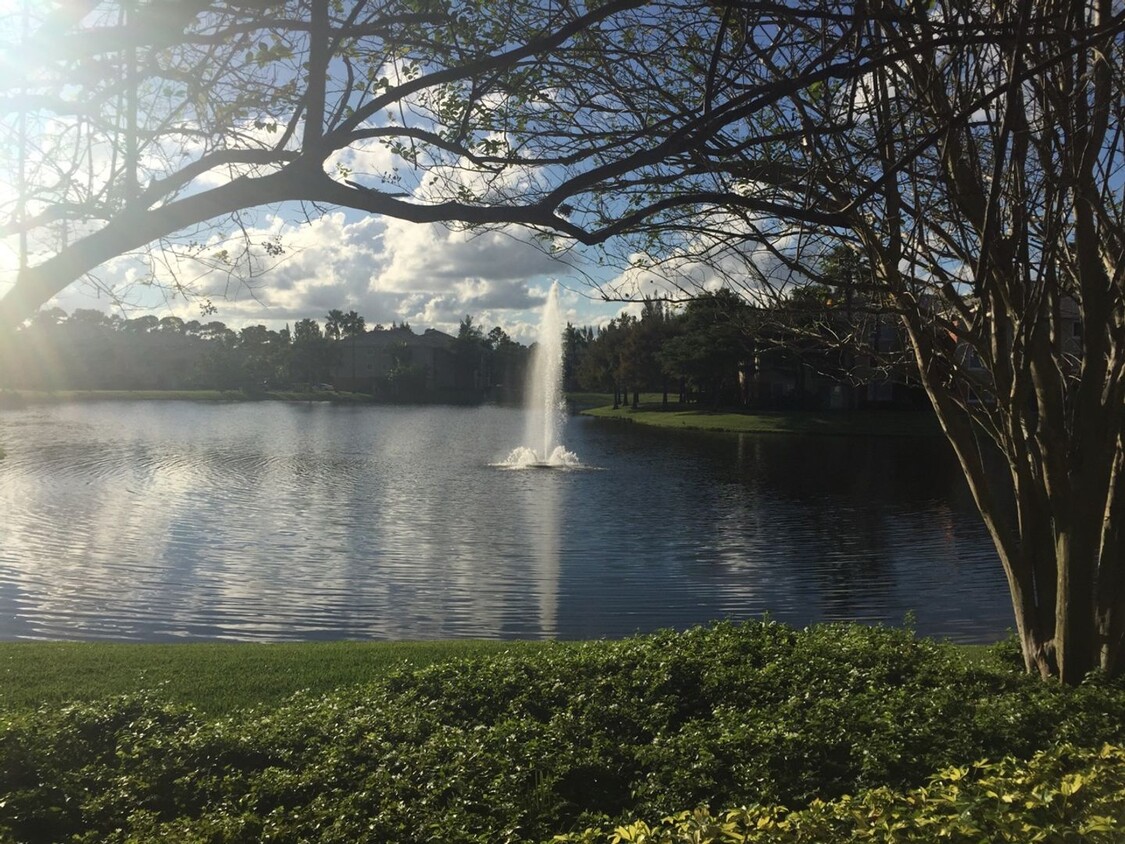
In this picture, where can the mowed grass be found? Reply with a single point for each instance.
(16, 397)
(880, 423)
(214, 678)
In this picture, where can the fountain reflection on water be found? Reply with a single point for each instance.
(546, 409)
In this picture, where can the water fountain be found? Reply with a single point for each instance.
(546, 409)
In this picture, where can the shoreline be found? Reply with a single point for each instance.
(218, 677)
(650, 413)
(16, 399)
(876, 423)
(12, 399)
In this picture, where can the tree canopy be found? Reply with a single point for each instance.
(130, 124)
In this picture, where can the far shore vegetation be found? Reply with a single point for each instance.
(706, 355)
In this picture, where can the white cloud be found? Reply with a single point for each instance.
(387, 270)
(739, 259)
(441, 257)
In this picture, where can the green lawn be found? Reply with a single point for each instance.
(880, 423)
(15, 397)
(215, 678)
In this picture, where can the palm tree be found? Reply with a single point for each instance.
(353, 325)
(334, 323)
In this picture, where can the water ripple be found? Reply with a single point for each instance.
(269, 522)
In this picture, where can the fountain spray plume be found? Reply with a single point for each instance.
(545, 389)
(546, 410)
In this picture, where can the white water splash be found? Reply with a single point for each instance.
(523, 457)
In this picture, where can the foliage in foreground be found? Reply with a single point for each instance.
(1066, 794)
(523, 747)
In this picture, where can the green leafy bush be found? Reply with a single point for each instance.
(1065, 794)
(524, 746)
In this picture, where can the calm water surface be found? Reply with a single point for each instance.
(162, 521)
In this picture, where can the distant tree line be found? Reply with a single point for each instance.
(717, 350)
(811, 349)
(695, 354)
(91, 350)
(496, 361)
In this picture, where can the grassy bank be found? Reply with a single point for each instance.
(15, 398)
(213, 678)
(525, 743)
(880, 423)
(219, 678)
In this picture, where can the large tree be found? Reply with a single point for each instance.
(969, 154)
(312, 355)
(974, 165)
(715, 343)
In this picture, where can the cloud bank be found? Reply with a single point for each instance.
(388, 270)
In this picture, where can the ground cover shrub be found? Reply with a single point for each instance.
(522, 746)
(1063, 794)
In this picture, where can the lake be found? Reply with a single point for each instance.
(174, 521)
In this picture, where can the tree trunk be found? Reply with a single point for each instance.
(1074, 622)
(1055, 523)
(1109, 611)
